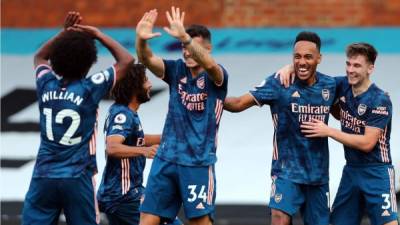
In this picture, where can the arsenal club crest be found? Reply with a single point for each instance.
(200, 83)
(362, 108)
(325, 94)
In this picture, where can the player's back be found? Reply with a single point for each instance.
(68, 122)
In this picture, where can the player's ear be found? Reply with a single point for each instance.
(371, 68)
(208, 46)
(319, 59)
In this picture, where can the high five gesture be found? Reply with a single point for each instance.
(176, 29)
(197, 88)
(144, 29)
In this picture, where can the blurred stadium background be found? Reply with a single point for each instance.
(252, 38)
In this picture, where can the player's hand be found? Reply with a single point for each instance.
(144, 29)
(92, 31)
(286, 75)
(151, 152)
(315, 128)
(72, 19)
(176, 28)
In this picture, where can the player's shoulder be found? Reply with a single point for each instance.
(273, 79)
(100, 77)
(326, 78)
(270, 80)
(378, 96)
(119, 108)
(173, 62)
(121, 113)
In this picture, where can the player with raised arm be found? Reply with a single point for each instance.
(66, 162)
(182, 172)
(300, 166)
(127, 148)
(367, 182)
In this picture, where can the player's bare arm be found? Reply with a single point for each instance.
(121, 55)
(43, 54)
(115, 148)
(364, 143)
(238, 104)
(152, 139)
(199, 53)
(144, 32)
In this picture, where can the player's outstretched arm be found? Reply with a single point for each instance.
(122, 56)
(238, 104)
(197, 52)
(152, 139)
(144, 32)
(116, 149)
(364, 143)
(43, 54)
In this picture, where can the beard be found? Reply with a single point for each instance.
(143, 97)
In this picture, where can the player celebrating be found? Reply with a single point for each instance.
(365, 114)
(300, 169)
(68, 102)
(127, 149)
(183, 169)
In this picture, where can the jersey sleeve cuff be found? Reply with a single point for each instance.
(255, 99)
(41, 70)
(371, 126)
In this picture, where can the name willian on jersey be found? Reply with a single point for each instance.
(62, 95)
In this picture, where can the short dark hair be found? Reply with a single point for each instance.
(309, 36)
(130, 85)
(72, 54)
(364, 49)
(196, 30)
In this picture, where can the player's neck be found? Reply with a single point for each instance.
(358, 89)
(195, 71)
(134, 105)
(311, 80)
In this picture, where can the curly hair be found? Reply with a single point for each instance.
(131, 85)
(72, 55)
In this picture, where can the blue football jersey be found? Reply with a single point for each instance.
(295, 157)
(195, 109)
(373, 108)
(68, 122)
(123, 177)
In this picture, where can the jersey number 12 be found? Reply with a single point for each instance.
(67, 137)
